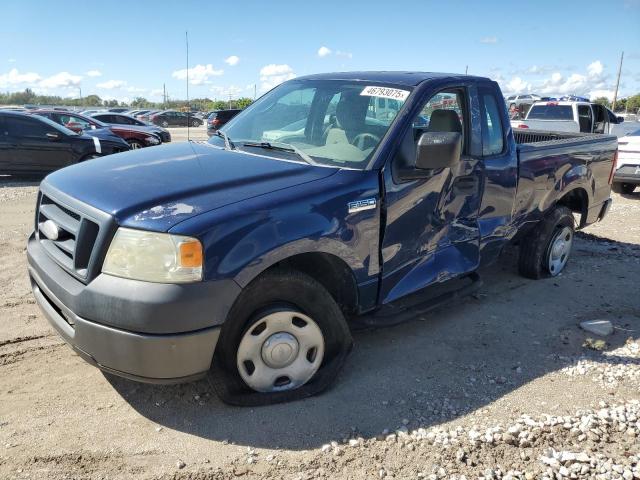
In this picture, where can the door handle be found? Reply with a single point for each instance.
(465, 185)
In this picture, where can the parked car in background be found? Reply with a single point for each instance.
(569, 116)
(218, 118)
(134, 136)
(173, 118)
(139, 113)
(264, 251)
(122, 119)
(90, 112)
(627, 175)
(145, 117)
(118, 109)
(519, 105)
(31, 144)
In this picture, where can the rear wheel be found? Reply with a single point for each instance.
(546, 249)
(164, 123)
(195, 123)
(624, 188)
(284, 339)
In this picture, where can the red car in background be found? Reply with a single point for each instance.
(136, 137)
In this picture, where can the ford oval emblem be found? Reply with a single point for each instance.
(50, 229)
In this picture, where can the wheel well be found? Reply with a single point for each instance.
(577, 201)
(332, 272)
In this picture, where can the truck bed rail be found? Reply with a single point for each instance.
(537, 136)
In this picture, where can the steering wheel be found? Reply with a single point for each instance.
(359, 139)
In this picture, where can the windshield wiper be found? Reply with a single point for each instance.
(283, 147)
(228, 144)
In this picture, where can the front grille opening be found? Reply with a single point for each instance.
(67, 236)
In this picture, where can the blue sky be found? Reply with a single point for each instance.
(122, 50)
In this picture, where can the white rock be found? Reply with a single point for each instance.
(597, 327)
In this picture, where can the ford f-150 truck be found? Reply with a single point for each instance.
(246, 258)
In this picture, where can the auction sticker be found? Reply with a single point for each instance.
(385, 92)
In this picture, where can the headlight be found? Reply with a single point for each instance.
(154, 257)
(153, 141)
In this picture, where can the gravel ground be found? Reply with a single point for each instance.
(503, 384)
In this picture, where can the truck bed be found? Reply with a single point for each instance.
(552, 164)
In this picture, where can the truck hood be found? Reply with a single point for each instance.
(157, 188)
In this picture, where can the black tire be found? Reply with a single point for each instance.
(164, 123)
(135, 144)
(273, 290)
(534, 248)
(195, 123)
(623, 188)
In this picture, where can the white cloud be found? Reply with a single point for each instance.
(518, 85)
(274, 74)
(12, 60)
(340, 53)
(324, 51)
(62, 79)
(135, 90)
(595, 69)
(232, 60)
(156, 93)
(489, 40)
(198, 75)
(230, 90)
(594, 82)
(94, 73)
(112, 84)
(14, 78)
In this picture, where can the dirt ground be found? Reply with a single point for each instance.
(513, 349)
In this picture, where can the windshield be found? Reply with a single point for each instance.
(550, 112)
(330, 122)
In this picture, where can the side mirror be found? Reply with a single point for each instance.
(437, 150)
(620, 119)
(53, 136)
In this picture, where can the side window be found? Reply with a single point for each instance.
(444, 112)
(492, 132)
(27, 127)
(585, 118)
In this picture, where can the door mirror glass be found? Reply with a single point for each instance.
(436, 150)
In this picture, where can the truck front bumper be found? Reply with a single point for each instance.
(122, 326)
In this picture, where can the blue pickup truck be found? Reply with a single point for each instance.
(332, 196)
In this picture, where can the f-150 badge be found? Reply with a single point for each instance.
(360, 205)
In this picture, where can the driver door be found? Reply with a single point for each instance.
(431, 232)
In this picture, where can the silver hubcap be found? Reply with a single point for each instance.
(559, 250)
(281, 351)
(134, 145)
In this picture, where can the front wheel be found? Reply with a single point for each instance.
(284, 339)
(195, 123)
(546, 249)
(164, 123)
(134, 144)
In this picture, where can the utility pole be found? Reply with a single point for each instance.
(186, 36)
(80, 88)
(615, 94)
(164, 96)
(255, 90)
(466, 69)
(229, 101)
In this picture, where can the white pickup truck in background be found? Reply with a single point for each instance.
(572, 116)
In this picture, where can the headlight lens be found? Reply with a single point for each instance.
(153, 141)
(154, 257)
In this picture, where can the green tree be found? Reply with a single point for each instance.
(633, 103)
(92, 101)
(602, 101)
(243, 102)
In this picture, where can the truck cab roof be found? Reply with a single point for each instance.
(410, 79)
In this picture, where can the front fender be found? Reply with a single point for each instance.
(244, 239)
